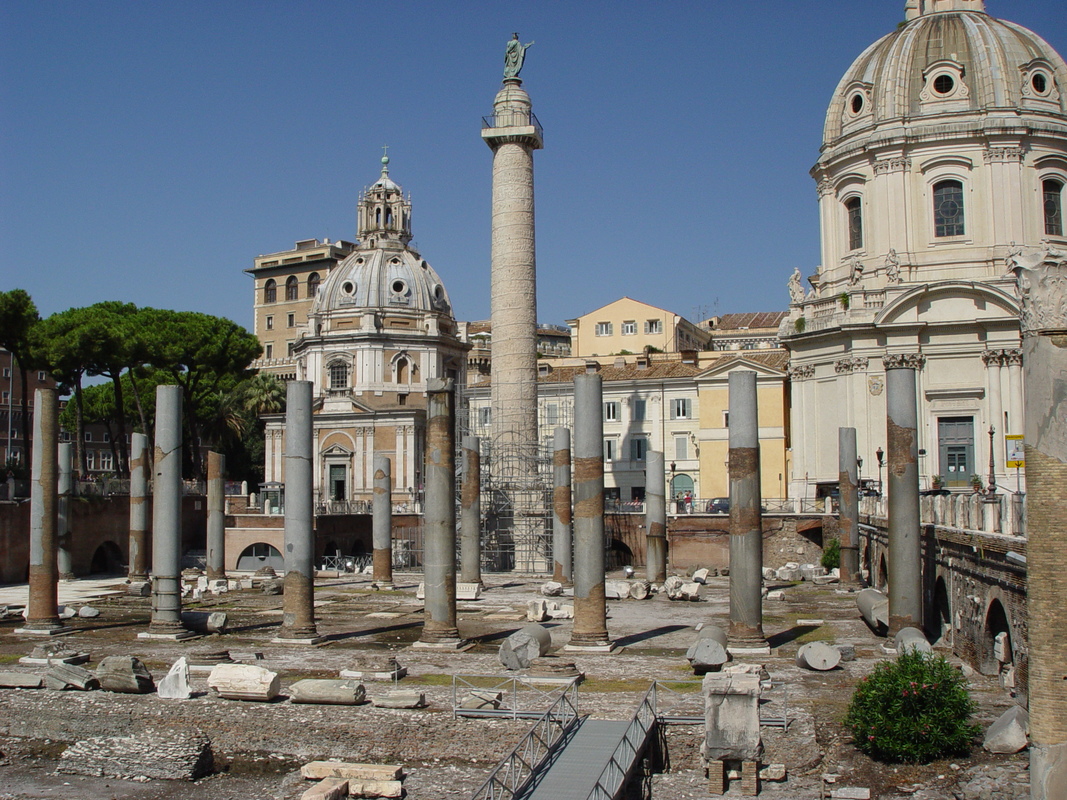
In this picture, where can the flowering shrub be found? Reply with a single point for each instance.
(914, 709)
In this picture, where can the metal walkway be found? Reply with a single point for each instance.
(574, 769)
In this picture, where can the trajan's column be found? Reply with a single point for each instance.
(513, 133)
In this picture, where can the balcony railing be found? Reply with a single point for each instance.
(514, 119)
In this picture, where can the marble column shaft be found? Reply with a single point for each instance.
(216, 516)
(848, 504)
(562, 517)
(167, 513)
(902, 481)
(382, 521)
(439, 517)
(298, 617)
(655, 517)
(746, 521)
(42, 609)
(138, 541)
(470, 523)
(65, 534)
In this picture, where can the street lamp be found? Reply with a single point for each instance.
(991, 492)
(880, 455)
(859, 472)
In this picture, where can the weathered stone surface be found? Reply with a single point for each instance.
(273, 587)
(88, 612)
(523, 646)
(772, 772)
(316, 770)
(847, 651)
(175, 684)
(851, 793)
(482, 699)
(400, 698)
(124, 674)
(874, 608)
(561, 610)
(537, 610)
(468, 591)
(640, 590)
(706, 654)
(20, 680)
(204, 621)
(375, 789)
(777, 594)
(678, 589)
(911, 639)
(327, 789)
(1008, 734)
(326, 691)
(731, 717)
(162, 755)
(68, 676)
(789, 574)
(244, 682)
(818, 656)
(616, 590)
(376, 669)
(701, 575)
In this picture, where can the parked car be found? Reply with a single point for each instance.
(719, 505)
(939, 492)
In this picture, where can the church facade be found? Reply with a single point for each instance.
(944, 156)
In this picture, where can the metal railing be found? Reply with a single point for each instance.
(513, 773)
(511, 119)
(621, 764)
(525, 699)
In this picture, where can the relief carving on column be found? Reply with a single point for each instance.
(904, 361)
(1013, 357)
(846, 366)
(825, 187)
(1042, 288)
(1003, 154)
(799, 372)
(993, 358)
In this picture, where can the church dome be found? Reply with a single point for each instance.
(949, 59)
(384, 272)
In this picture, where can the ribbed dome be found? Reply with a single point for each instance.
(946, 64)
(388, 277)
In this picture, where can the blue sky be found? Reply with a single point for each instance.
(150, 150)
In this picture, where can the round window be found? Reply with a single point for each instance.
(399, 287)
(943, 84)
(348, 287)
(857, 103)
(1039, 82)
(949, 209)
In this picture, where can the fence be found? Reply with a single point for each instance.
(624, 758)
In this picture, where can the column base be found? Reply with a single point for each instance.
(749, 649)
(57, 630)
(605, 647)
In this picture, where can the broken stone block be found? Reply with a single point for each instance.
(700, 575)
(376, 669)
(400, 698)
(1008, 734)
(788, 574)
(327, 789)
(769, 573)
(1002, 647)
(911, 639)
(162, 755)
(552, 589)
(468, 591)
(54, 653)
(67, 612)
(125, 675)
(851, 793)
(175, 684)
(274, 586)
(640, 590)
(204, 621)
(847, 651)
(688, 591)
(19, 680)
(825, 580)
(561, 610)
(316, 770)
(874, 608)
(327, 691)
(375, 789)
(482, 699)
(777, 594)
(88, 612)
(818, 656)
(244, 682)
(68, 676)
(759, 670)
(810, 572)
(523, 646)
(616, 590)
(706, 654)
(772, 772)
(218, 586)
(537, 610)
(731, 717)
(139, 589)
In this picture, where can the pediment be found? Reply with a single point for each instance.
(949, 302)
(724, 366)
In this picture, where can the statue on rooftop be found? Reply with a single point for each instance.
(796, 288)
(514, 56)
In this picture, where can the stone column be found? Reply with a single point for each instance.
(42, 609)
(1043, 288)
(138, 569)
(167, 518)
(513, 135)
(382, 522)
(561, 507)
(746, 522)
(66, 489)
(470, 568)
(298, 619)
(993, 360)
(902, 484)
(439, 518)
(655, 517)
(590, 630)
(216, 516)
(849, 505)
(1014, 360)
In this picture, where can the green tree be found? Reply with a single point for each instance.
(18, 317)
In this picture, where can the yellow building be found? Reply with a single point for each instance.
(630, 326)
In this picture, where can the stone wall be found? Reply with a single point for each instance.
(971, 593)
(100, 529)
(695, 540)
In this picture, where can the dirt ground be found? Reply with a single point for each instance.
(260, 746)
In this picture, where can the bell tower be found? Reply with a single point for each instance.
(383, 211)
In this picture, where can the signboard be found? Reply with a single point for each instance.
(1016, 458)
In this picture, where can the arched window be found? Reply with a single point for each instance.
(389, 217)
(338, 375)
(854, 207)
(292, 288)
(313, 284)
(948, 209)
(403, 371)
(270, 291)
(1053, 205)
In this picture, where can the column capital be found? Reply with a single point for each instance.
(1013, 357)
(904, 361)
(993, 358)
(1042, 287)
